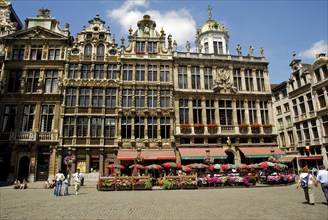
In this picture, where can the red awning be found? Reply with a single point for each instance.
(147, 154)
(260, 152)
(310, 158)
(200, 153)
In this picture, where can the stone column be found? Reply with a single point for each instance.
(270, 112)
(73, 156)
(254, 80)
(189, 77)
(243, 83)
(201, 72)
(59, 158)
(87, 160)
(234, 113)
(101, 161)
(324, 90)
(175, 76)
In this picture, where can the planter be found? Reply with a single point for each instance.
(175, 187)
(123, 188)
(213, 130)
(186, 130)
(192, 186)
(106, 188)
(140, 187)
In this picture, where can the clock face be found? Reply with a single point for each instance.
(75, 51)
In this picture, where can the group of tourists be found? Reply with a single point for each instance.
(20, 185)
(60, 179)
(308, 182)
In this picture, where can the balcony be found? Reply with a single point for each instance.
(29, 136)
(228, 129)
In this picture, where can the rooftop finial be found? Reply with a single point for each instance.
(209, 11)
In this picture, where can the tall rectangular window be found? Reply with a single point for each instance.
(306, 130)
(182, 77)
(111, 98)
(295, 107)
(9, 118)
(325, 124)
(310, 102)
(225, 112)
(139, 127)
(165, 73)
(69, 127)
(47, 118)
(152, 47)
(84, 97)
(286, 107)
(140, 47)
(165, 99)
(210, 112)
(252, 112)
(321, 98)
(14, 81)
(218, 47)
(264, 112)
(197, 111)
(32, 81)
(208, 78)
(140, 72)
(206, 47)
(126, 127)
(152, 127)
(165, 127)
(82, 126)
(111, 71)
(152, 98)
(97, 97)
(73, 71)
(289, 121)
(86, 71)
(95, 127)
(28, 117)
(240, 108)
(249, 80)
(260, 80)
(299, 132)
(109, 127)
(53, 52)
(291, 137)
(237, 79)
(302, 104)
(140, 98)
(99, 71)
(195, 77)
(314, 129)
(152, 73)
(127, 72)
(184, 111)
(18, 53)
(51, 81)
(70, 98)
(36, 52)
(127, 98)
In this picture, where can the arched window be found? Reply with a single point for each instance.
(87, 52)
(100, 52)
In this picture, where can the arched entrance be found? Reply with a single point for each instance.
(24, 164)
(231, 157)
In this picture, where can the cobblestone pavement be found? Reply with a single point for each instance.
(283, 202)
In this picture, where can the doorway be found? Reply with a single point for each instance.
(24, 164)
(231, 157)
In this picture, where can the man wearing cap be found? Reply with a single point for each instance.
(322, 177)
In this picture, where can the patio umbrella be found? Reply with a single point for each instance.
(138, 166)
(215, 166)
(253, 166)
(186, 168)
(115, 165)
(154, 167)
(198, 166)
(279, 165)
(266, 164)
(241, 166)
(226, 166)
(171, 165)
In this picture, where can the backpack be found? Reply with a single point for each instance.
(305, 181)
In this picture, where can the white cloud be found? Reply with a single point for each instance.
(316, 48)
(179, 23)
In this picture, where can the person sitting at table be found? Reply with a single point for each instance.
(16, 184)
(24, 184)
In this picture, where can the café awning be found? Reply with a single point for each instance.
(146, 154)
(310, 158)
(286, 159)
(261, 152)
(200, 153)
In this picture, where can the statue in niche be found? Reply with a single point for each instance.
(188, 46)
(200, 47)
(146, 29)
(261, 52)
(222, 82)
(175, 45)
(250, 51)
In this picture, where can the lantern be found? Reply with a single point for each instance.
(307, 148)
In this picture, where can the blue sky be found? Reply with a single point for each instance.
(280, 27)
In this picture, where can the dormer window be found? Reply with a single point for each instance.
(218, 48)
(152, 47)
(96, 29)
(140, 47)
(18, 53)
(87, 52)
(101, 36)
(100, 52)
(89, 36)
(36, 52)
(54, 52)
(75, 51)
(206, 47)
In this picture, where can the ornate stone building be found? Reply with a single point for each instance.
(95, 102)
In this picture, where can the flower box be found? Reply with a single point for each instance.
(212, 125)
(123, 188)
(189, 186)
(243, 126)
(198, 126)
(106, 188)
(185, 125)
(267, 125)
(255, 126)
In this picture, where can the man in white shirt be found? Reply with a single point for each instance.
(322, 177)
(77, 179)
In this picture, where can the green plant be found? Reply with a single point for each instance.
(148, 185)
(168, 184)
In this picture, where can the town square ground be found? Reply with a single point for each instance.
(280, 202)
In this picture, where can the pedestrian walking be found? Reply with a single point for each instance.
(322, 177)
(66, 185)
(307, 185)
(59, 177)
(77, 179)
